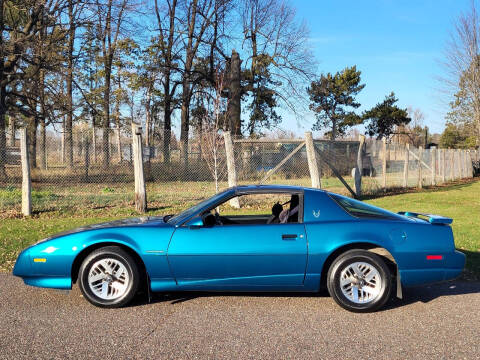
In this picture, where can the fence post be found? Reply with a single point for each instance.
(462, 163)
(384, 164)
(232, 172)
(357, 175)
(452, 164)
(433, 154)
(443, 165)
(457, 164)
(26, 180)
(420, 155)
(312, 161)
(405, 165)
(469, 163)
(137, 148)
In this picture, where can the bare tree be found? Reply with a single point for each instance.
(462, 62)
(111, 15)
(169, 46)
(23, 22)
(199, 15)
(75, 9)
(279, 61)
(211, 141)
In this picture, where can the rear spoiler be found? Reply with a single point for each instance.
(432, 219)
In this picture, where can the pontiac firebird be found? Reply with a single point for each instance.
(362, 254)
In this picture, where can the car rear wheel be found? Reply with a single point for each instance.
(109, 277)
(359, 281)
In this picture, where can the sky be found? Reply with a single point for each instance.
(398, 46)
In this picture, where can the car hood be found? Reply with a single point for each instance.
(139, 221)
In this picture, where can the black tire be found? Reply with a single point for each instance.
(119, 256)
(342, 263)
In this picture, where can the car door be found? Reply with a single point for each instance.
(242, 257)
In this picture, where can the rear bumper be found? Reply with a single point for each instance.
(451, 268)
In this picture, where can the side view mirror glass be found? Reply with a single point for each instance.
(196, 222)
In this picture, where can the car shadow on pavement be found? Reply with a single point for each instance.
(183, 296)
(423, 294)
(428, 293)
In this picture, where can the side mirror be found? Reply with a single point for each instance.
(195, 223)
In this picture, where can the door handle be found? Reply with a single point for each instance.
(289, 236)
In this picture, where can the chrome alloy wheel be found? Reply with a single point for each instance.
(360, 282)
(108, 279)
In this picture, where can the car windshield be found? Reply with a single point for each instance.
(207, 203)
(359, 209)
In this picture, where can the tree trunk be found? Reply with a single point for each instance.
(69, 122)
(43, 145)
(62, 159)
(117, 131)
(3, 137)
(333, 135)
(148, 117)
(234, 96)
(32, 141)
(12, 131)
(185, 126)
(106, 117)
(3, 108)
(94, 140)
(43, 133)
(167, 124)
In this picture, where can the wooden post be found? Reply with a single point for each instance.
(87, 155)
(443, 164)
(359, 173)
(312, 161)
(420, 155)
(384, 164)
(456, 156)
(26, 180)
(452, 164)
(137, 148)
(433, 155)
(467, 163)
(461, 164)
(405, 165)
(232, 172)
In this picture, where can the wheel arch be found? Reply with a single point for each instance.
(369, 246)
(77, 262)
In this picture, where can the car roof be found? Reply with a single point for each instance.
(272, 188)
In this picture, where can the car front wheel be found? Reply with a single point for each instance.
(359, 281)
(109, 277)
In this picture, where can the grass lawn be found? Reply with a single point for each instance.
(63, 211)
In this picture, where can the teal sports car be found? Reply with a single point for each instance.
(252, 238)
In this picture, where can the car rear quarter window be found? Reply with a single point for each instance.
(361, 210)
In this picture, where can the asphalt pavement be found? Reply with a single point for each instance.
(435, 322)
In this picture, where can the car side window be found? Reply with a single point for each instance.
(273, 208)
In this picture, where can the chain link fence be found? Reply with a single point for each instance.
(96, 170)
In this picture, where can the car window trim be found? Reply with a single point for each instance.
(300, 194)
